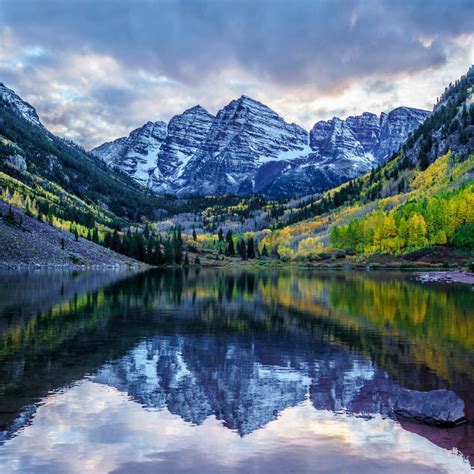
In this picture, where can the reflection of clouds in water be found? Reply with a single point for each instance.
(95, 428)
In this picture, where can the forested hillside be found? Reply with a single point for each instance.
(56, 181)
(422, 198)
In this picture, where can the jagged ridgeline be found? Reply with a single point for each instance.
(38, 158)
(422, 197)
(56, 181)
(414, 198)
(247, 148)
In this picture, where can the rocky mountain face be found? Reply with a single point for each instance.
(365, 139)
(136, 154)
(248, 148)
(203, 154)
(345, 149)
(184, 137)
(395, 127)
(244, 137)
(22, 108)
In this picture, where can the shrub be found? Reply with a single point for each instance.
(464, 236)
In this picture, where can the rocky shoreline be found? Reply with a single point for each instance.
(458, 276)
(27, 243)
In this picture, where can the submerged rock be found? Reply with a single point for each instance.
(437, 407)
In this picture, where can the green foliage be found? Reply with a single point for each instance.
(445, 217)
(464, 236)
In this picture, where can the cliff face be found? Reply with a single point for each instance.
(345, 149)
(248, 148)
(185, 136)
(244, 136)
(136, 154)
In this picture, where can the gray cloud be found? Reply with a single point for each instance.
(318, 46)
(324, 42)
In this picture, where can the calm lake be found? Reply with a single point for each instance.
(223, 371)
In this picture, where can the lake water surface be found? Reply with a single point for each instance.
(223, 371)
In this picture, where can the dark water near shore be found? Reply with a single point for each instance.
(226, 371)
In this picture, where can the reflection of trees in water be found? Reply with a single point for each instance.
(421, 335)
(432, 322)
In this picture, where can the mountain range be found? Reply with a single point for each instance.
(247, 148)
(177, 175)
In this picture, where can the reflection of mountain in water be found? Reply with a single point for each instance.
(195, 377)
(242, 346)
(246, 383)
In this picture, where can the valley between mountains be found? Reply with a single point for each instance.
(244, 186)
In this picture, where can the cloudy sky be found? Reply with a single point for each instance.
(95, 69)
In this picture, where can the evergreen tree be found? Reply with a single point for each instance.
(230, 250)
(242, 249)
(424, 161)
(250, 248)
(107, 240)
(168, 255)
(146, 232)
(62, 243)
(264, 251)
(138, 246)
(186, 260)
(178, 257)
(194, 234)
(156, 255)
(126, 244)
(115, 243)
(150, 248)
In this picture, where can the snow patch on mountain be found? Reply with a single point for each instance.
(344, 149)
(248, 148)
(20, 107)
(136, 154)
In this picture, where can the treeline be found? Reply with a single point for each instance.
(141, 244)
(454, 119)
(230, 246)
(446, 218)
(150, 247)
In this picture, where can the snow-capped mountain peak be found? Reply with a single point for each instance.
(136, 154)
(22, 108)
(248, 148)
